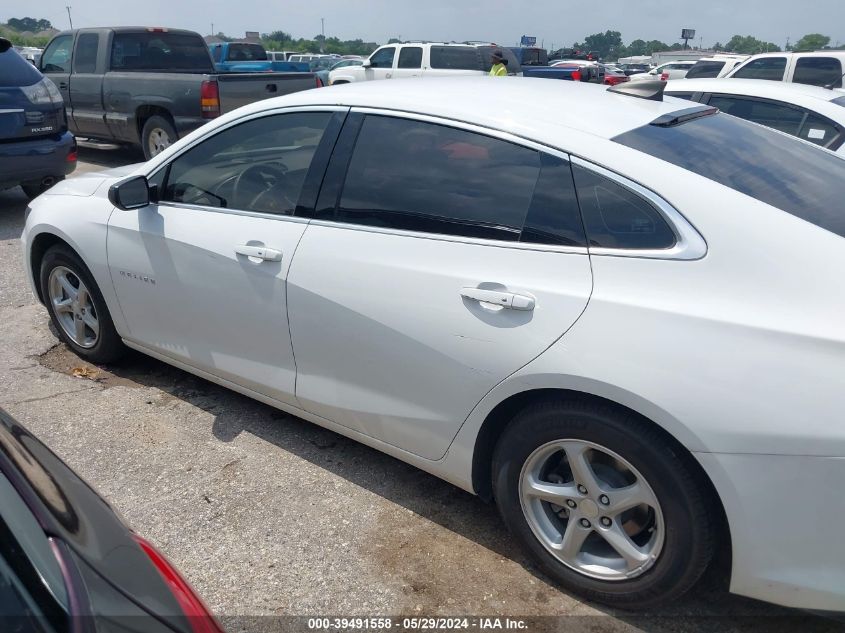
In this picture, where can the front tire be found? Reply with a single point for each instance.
(157, 135)
(606, 504)
(77, 308)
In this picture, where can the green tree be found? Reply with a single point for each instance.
(750, 45)
(603, 43)
(812, 42)
(29, 24)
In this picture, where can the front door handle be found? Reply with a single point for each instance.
(259, 252)
(508, 300)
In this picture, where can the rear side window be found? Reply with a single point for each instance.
(56, 59)
(156, 51)
(820, 131)
(410, 57)
(616, 217)
(484, 185)
(750, 159)
(510, 60)
(705, 70)
(779, 116)
(383, 58)
(455, 58)
(818, 71)
(85, 60)
(771, 68)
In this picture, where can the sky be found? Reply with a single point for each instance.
(555, 23)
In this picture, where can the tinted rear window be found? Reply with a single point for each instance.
(16, 71)
(455, 57)
(166, 52)
(247, 52)
(705, 70)
(751, 159)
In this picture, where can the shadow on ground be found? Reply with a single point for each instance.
(409, 487)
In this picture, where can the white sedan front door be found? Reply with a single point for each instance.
(201, 275)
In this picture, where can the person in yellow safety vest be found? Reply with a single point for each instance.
(499, 68)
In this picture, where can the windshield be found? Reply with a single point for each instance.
(749, 158)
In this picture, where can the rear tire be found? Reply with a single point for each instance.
(157, 135)
(672, 526)
(77, 308)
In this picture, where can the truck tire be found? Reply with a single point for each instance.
(157, 135)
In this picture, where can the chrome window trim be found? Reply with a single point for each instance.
(689, 244)
(251, 214)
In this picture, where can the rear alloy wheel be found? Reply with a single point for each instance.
(158, 134)
(77, 308)
(604, 502)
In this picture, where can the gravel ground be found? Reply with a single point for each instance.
(269, 515)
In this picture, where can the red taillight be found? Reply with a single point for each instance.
(200, 618)
(664, 76)
(210, 99)
(72, 157)
(576, 75)
(319, 82)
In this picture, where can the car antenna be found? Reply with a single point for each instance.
(832, 84)
(651, 90)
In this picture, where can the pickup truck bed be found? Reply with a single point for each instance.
(148, 87)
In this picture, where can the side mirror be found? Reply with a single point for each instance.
(366, 63)
(133, 193)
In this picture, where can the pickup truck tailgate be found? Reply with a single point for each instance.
(238, 89)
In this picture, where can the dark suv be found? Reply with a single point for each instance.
(36, 148)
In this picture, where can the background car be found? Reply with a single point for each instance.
(665, 72)
(36, 148)
(715, 66)
(591, 71)
(614, 75)
(633, 69)
(67, 559)
(811, 113)
(581, 282)
(819, 68)
(425, 59)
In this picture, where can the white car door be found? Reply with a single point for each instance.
(409, 63)
(381, 64)
(201, 275)
(420, 284)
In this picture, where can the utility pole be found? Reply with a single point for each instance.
(70, 19)
(787, 44)
(323, 32)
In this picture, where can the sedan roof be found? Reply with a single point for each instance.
(528, 107)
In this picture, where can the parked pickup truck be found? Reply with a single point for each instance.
(534, 62)
(248, 57)
(149, 86)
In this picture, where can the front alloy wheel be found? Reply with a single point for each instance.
(74, 309)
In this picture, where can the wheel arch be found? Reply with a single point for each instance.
(144, 112)
(38, 247)
(498, 418)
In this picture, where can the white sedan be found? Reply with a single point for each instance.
(619, 318)
(665, 72)
(812, 113)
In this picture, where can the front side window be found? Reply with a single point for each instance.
(818, 71)
(56, 59)
(750, 159)
(705, 70)
(174, 52)
(418, 176)
(779, 116)
(771, 68)
(383, 58)
(616, 217)
(456, 58)
(410, 57)
(257, 166)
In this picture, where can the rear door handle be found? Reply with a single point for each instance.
(508, 300)
(259, 252)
